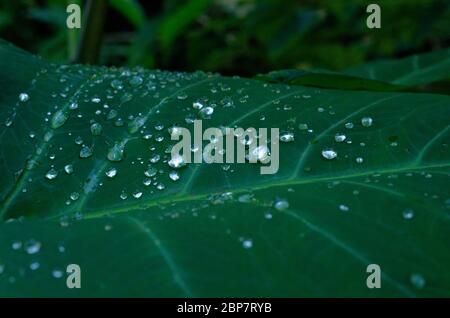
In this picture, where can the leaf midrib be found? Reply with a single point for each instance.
(287, 182)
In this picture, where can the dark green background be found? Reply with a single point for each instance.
(234, 37)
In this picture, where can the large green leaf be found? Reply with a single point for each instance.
(219, 230)
(409, 73)
(413, 70)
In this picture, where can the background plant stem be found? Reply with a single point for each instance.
(91, 32)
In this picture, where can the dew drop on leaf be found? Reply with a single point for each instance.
(68, 169)
(117, 84)
(339, 137)
(173, 175)
(96, 129)
(32, 246)
(287, 136)
(247, 243)
(281, 204)
(116, 152)
(151, 171)
(197, 104)
(303, 126)
(136, 81)
(329, 154)
(16, 245)
(74, 196)
(34, 266)
(59, 118)
(366, 121)
(111, 172)
(51, 174)
(206, 112)
(408, 214)
(418, 281)
(85, 152)
(56, 273)
(23, 97)
(176, 162)
(137, 194)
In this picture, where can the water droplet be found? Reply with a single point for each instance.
(96, 129)
(32, 246)
(160, 186)
(59, 118)
(61, 248)
(159, 126)
(116, 152)
(197, 104)
(366, 121)
(303, 126)
(111, 172)
(359, 160)
(117, 84)
(246, 198)
(74, 196)
(34, 266)
(340, 137)
(147, 182)
(111, 114)
(349, 125)
(248, 243)
(136, 81)
(23, 97)
(175, 131)
(85, 152)
(137, 194)
(73, 106)
(56, 273)
(206, 112)
(176, 161)
(119, 122)
(261, 153)
(417, 280)
(287, 136)
(344, 208)
(151, 171)
(281, 204)
(182, 96)
(136, 124)
(78, 140)
(329, 154)
(123, 196)
(174, 175)
(408, 214)
(8, 122)
(16, 245)
(68, 169)
(51, 174)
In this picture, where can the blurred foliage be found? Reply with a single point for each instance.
(234, 37)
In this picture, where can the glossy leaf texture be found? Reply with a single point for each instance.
(85, 180)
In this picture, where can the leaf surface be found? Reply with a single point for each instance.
(311, 229)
